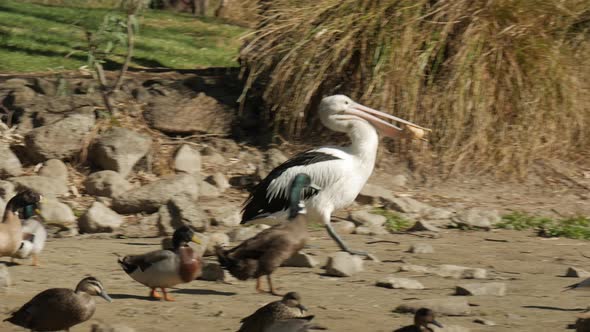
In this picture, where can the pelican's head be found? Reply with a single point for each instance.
(340, 113)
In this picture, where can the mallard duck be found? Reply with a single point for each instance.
(422, 318)
(11, 232)
(260, 255)
(166, 268)
(288, 307)
(60, 308)
(34, 236)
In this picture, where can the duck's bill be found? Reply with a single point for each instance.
(106, 296)
(376, 118)
(437, 323)
(196, 239)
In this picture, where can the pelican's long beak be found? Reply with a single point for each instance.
(386, 128)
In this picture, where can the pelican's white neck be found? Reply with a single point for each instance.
(365, 141)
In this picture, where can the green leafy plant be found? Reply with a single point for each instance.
(395, 222)
(573, 227)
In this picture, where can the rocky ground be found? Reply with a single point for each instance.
(176, 152)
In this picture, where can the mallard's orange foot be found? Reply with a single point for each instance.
(166, 296)
(155, 295)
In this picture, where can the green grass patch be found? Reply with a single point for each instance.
(395, 222)
(36, 37)
(573, 227)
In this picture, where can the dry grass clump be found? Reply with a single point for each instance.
(501, 82)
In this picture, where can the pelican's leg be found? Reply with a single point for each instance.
(272, 289)
(166, 296)
(338, 239)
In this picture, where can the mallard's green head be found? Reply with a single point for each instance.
(183, 235)
(300, 187)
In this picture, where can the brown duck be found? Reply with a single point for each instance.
(260, 255)
(11, 233)
(422, 319)
(60, 308)
(287, 308)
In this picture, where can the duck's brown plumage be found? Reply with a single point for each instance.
(11, 233)
(287, 308)
(59, 308)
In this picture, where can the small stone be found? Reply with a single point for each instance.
(240, 234)
(41, 184)
(212, 271)
(421, 226)
(57, 213)
(399, 180)
(54, 168)
(373, 194)
(9, 163)
(460, 272)
(103, 327)
(187, 160)
(449, 328)
(6, 190)
(437, 214)
(229, 217)
(368, 219)
(301, 259)
(45, 87)
(344, 227)
(119, 149)
(450, 306)
(477, 218)
(491, 288)
(421, 248)
(343, 264)
(484, 321)
(216, 239)
(400, 283)
(100, 219)
(209, 190)
(106, 184)
(414, 268)
(407, 205)
(218, 180)
(5, 280)
(372, 230)
(575, 272)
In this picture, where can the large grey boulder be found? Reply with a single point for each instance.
(43, 185)
(184, 210)
(187, 160)
(60, 140)
(57, 213)
(107, 184)
(343, 264)
(54, 168)
(119, 149)
(99, 219)
(9, 163)
(150, 197)
(477, 218)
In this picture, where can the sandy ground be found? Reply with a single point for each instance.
(532, 267)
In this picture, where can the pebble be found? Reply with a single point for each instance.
(450, 306)
(484, 321)
(343, 264)
(460, 272)
(187, 160)
(301, 259)
(575, 272)
(421, 248)
(400, 283)
(344, 227)
(491, 288)
(366, 218)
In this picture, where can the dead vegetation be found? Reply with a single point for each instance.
(502, 83)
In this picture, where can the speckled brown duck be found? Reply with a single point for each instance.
(59, 309)
(287, 308)
(11, 233)
(166, 268)
(262, 254)
(422, 318)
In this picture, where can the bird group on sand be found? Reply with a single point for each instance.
(309, 186)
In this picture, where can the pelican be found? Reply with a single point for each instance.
(341, 172)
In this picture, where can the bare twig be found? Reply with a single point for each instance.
(130, 46)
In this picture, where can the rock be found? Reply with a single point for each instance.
(57, 213)
(99, 219)
(372, 230)
(164, 221)
(103, 327)
(274, 158)
(107, 184)
(9, 163)
(477, 218)
(374, 195)
(208, 190)
(149, 197)
(185, 211)
(460, 272)
(187, 160)
(407, 205)
(6, 190)
(399, 180)
(216, 239)
(421, 226)
(437, 214)
(491, 288)
(344, 227)
(63, 139)
(19, 96)
(45, 87)
(400, 283)
(484, 321)
(212, 271)
(226, 217)
(343, 264)
(119, 149)
(421, 248)
(40, 184)
(5, 280)
(301, 259)
(575, 272)
(242, 233)
(365, 218)
(218, 180)
(414, 268)
(200, 114)
(54, 168)
(449, 306)
(449, 328)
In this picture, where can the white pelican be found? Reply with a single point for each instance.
(341, 172)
